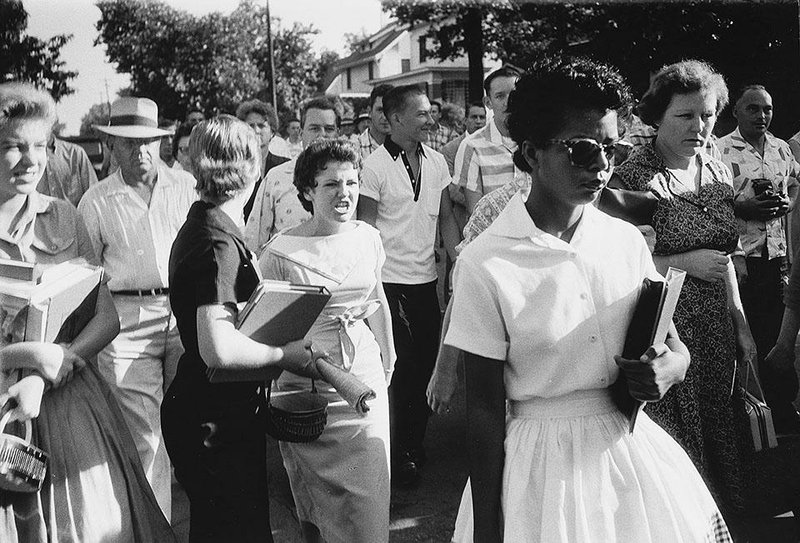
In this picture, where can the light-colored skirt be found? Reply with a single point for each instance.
(573, 473)
(340, 482)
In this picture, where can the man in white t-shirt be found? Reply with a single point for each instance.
(404, 194)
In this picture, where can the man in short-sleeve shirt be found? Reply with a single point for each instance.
(484, 161)
(404, 195)
(765, 177)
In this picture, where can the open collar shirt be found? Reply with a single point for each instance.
(408, 211)
(760, 238)
(131, 238)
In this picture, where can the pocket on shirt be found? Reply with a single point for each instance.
(57, 244)
(431, 200)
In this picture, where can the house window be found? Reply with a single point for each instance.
(423, 49)
(349, 79)
(405, 65)
(371, 69)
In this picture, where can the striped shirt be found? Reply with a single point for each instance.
(484, 161)
(133, 239)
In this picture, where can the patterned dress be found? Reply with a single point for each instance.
(700, 413)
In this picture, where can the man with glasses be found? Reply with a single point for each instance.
(275, 203)
(132, 217)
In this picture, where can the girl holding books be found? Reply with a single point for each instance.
(214, 432)
(95, 488)
(340, 482)
(542, 301)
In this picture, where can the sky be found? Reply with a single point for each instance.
(97, 77)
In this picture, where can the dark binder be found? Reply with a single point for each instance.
(276, 313)
(649, 324)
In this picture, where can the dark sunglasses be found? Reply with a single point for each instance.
(583, 152)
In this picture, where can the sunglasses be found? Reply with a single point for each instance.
(583, 152)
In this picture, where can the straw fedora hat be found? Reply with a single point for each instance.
(133, 117)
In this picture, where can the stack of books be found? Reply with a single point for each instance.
(46, 303)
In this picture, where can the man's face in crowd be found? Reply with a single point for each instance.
(319, 123)
(497, 99)
(476, 118)
(137, 157)
(293, 130)
(259, 123)
(414, 120)
(753, 112)
(436, 112)
(195, 117)
(380, 123)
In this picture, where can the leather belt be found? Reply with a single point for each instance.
(143, 292)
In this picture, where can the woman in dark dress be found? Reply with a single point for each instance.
(696, 231)
(213, 432)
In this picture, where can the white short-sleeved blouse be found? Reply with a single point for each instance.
(556, 312)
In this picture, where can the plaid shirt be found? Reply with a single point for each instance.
(366, 144)
(439, 136)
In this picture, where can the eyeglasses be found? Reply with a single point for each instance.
(184, 149)
(583, 152)
(257, 126)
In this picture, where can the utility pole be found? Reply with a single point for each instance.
(271, 52)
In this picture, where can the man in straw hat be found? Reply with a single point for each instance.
(133, 216)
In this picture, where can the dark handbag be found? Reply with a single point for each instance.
(759, 415)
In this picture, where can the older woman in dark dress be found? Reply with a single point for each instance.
(696, 231)
(213, 432)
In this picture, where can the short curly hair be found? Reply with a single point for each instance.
(225, 155)
(20, 101)
(262, 108)
(316, 158)
(684, 77)
(544, 96)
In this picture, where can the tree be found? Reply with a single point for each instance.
(97, 114)
(214, 62)
(25, 58)
(354, 40)
(745, 41)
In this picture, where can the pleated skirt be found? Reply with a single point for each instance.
(574, 473)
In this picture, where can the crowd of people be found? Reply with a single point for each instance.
(553, 199)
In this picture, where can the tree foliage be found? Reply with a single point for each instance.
(745, 41)
(213, 62)
(97, 114)
(25, 58)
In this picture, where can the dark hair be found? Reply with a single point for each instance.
(378, 92)
(476, 104)
(683, 77)
(225, 155)
(505, 71)
(320, 102)
(395, 99)
(263, 109)
(316, 158)
(184, 130)
(743, 90)
(545, 95)
(436, 103)
(293, 120)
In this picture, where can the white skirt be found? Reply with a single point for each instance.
(573, 473)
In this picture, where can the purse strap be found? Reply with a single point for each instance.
(755, 378)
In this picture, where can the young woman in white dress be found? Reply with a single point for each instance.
(340, 482)
(542, 301)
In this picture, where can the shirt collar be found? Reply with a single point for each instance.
(121, 186)
(35, 204)
(395, 150)
(211, 215)
(740, 144)
(515, 222)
